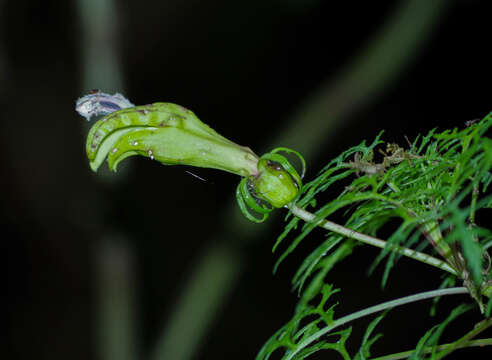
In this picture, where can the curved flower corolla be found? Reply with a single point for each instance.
(169, 134)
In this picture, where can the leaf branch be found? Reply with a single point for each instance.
(370, 240)
(374, 309)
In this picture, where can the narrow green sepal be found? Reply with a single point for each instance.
(301, 158)
(244, 208)
(250, 200)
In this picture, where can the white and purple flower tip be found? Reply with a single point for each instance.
(97, 103)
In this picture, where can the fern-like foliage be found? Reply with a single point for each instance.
(427, 347)
(431, 189)
(292, 340)
(312, 329)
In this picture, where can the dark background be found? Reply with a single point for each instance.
(98, 266)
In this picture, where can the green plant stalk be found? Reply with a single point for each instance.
(464, 340)
(374, 309)
(406, 354)
(370, 240)
(473, 204)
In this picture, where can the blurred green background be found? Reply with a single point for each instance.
(152, 263)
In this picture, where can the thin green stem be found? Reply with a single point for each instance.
(464, 340)
(370, 240)
(473, 205)
(406, 354)
(375, 309)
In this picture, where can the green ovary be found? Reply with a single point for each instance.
(274, 185)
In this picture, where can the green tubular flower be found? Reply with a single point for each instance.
(169, 134)
(173, 135)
